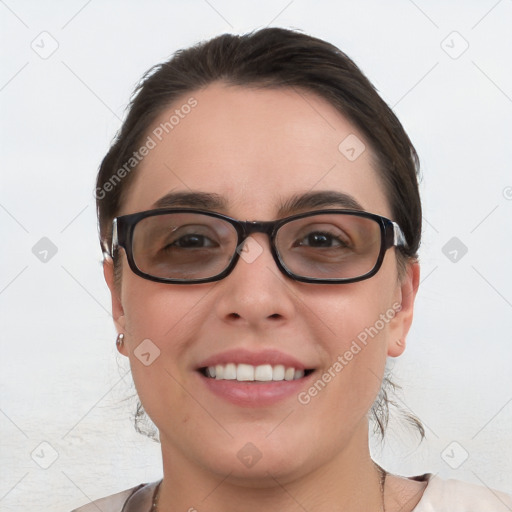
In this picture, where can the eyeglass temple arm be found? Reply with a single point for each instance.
(398, 236)
(109, 254)
(115, 236)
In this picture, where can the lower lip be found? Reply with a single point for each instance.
(255, 394)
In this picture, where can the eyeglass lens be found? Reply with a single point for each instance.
(190, 246)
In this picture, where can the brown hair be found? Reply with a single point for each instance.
(272, 57)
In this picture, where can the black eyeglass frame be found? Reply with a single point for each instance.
(123, 228)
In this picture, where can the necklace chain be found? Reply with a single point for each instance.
(382, 483)
(154, 506)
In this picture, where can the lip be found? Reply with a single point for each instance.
(254, 394)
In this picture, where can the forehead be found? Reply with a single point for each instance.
(256, 149)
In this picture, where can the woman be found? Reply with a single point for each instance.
(260, 218)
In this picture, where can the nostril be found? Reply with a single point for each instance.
(234, 315)
(275, 315)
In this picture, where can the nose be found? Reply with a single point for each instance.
(256, 293)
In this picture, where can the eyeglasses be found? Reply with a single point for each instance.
(186, 246)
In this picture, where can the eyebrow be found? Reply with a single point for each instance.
(201, 200)
(295, 204)
(316, 200)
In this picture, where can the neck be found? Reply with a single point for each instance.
(349, 479)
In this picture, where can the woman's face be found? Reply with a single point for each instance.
(256, 150)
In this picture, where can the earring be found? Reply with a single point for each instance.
(120, 340)
(400, 343)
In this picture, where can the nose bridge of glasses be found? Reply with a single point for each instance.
(248, 228)
(251, 227)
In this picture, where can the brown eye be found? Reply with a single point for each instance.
(193, 241)
(321, 239)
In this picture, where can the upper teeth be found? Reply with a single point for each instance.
(247, 372)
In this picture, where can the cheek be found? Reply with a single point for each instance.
(158, 311)
(358, 312)
(161, 323)
(359, 319)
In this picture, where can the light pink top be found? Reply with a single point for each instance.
(456, 496)
(439, 496)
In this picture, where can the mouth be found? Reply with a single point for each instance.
(254, 379)
(263, 373)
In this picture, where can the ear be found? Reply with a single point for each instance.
(402, 320)
(117, 306)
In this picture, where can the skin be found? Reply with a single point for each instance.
(257, 148)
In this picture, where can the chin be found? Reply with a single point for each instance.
(271, 472)
(262, 462)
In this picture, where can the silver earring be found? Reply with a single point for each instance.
(120, 339)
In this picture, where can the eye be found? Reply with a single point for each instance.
(321, 239)
(192, 241)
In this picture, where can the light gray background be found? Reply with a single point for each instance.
(61, 380)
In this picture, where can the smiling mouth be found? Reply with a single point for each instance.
(249, 373)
